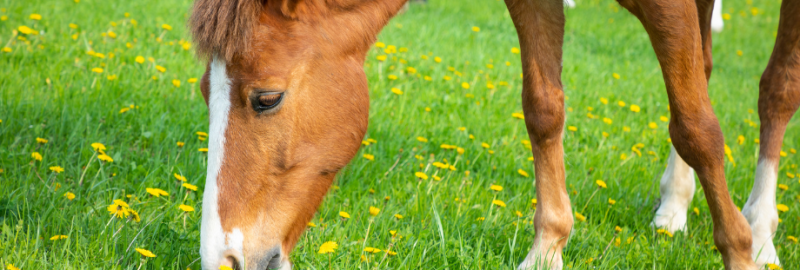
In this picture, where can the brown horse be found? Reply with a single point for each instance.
(288, 105)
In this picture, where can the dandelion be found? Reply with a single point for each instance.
(119, 208)
(381, 58)
(773, 266)
(392, 77)
(607, 121)
(41, 140)
(69, 195)
(397, 91)
(27, 30)
(480, 219)
(186, 208)
(652, 125)
(421, 175)
(374, 211)
(35, 16)
(139, 59)
(166, 27)
(499, 203)
(485, 145)
(57, 169)
(496, 187)
(615, 75)
(623, 156)
(792, 238)
(476, 29)
(572, 128)
(11, 267)
(6, 49)
(190, 186)
(617, 229)
(522, 172)
(398, 216)
(612, 201)
(36, 156)
(180, 144)
(97, 70)
(783, 154)
(105, 158)
(225, 267)
(663, 119)
(145, 252)
(176, 83)
(635, 108)
(600, 183)
(783, 187)
(124, 110)
(344, 214)
(156, 192)
(204, 150)
(192, 80)
(580, 217)
(696, 211)
(515, 50)
(782, 207)
(739, 52)
(368, 157)
(465, 85)
(58, 237)
(422, 139)
(161, 69)
(311, 224)
(179, 177)
(328, 247)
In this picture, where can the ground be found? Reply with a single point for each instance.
(123, 74)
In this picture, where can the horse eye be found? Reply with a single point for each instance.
(266, 101)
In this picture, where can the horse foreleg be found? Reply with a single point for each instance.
(540, 26)
(778, 100)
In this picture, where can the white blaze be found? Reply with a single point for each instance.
(212, 238)
(762, 213)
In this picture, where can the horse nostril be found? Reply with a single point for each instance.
(272, 259)
(275, 261)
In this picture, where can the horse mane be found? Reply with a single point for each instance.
(223, 28)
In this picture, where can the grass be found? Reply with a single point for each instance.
(50, 91)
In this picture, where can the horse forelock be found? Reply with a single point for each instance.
(223, 27)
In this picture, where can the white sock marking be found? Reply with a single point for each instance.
(761, 212)
(677, 191)
(716, 17)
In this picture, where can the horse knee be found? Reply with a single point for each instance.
(544, 115)
(698, 139)
(779, 93)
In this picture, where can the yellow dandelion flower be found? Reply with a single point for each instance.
(58, 237)
(522, 172)
(327, 247)
(204, 150)
(179, 177)
(398, 216)
(615, 75)
(156, 192)
(145, 252)
(696, 211)
(783, 208)
(572, 128)
(176, 83)
(105, 158)
(180, 144)
(7, 49)
(119, 208)
(368, 157)
(381, 58)
(518, 116)
(186, 208)
(421, 175)
(580, 217)
(783, 187)
(612, 201)
(499, 203)
(161, 69)
(57, 169)
(344, 214)
(617, 229)
(70, 196)
(166, 27)
(11, 267)
(480, 219)
(496, 187)
(41, 140)
(652, 125)
(515, 50)
(35, 16)
(635, 108)
(192, 80)
(791, 238)
(773, 266)
(139, 59)
(190, 186)
(374, 211)
(311, 224)
(476, 29)
(465, 85)
(600, 183)
(225, 267)
(422, 139)
(97, 70)
(397, 91)
(36, 156)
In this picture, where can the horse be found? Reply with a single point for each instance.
(288, 107)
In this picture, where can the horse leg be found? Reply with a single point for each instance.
(716, 19)
(677, 182)
(540, 27)
(778, 100)
(674, 33)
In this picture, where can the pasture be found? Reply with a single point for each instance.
(444, 178)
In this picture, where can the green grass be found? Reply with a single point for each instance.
(49, 91)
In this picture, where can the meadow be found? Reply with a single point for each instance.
(99, 101)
